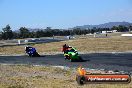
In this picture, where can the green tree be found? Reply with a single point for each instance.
(130, 28)
(77, 31)
(32, 35)
(24, 32)
(0, 35)
(92, 31)
(49, 32)
(16, 35)
(122, 28)
(7, 32)
(114, 28)
(40, 33)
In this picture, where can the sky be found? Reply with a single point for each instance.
(62, 13)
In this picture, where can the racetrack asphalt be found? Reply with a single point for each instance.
(108, 61)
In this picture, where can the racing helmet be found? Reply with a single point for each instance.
(27, 47)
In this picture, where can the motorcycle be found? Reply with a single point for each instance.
(31, 52)
(72, 55)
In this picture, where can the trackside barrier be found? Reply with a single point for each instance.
(84, 77)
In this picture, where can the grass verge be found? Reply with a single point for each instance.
(84, 44)
(28, 76)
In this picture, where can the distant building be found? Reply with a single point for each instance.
(113, 31)
(104, 32)
(109, 31)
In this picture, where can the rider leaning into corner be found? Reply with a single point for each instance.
(29, 48)
(70, 53)
(66, 48)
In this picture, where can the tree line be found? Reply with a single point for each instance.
(24, 32)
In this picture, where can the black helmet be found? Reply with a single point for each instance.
(64, 45)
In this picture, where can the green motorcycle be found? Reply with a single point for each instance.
(72, 55)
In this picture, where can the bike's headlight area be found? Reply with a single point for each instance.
(73, 54)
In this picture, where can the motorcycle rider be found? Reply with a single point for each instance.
(66, 48)
(30, 50)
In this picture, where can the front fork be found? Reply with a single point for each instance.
(67, 56)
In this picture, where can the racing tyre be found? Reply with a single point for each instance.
(66, 57)
(80, 58)
(80, 80)
(37, 55)
(70, 58)
(29, 55)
